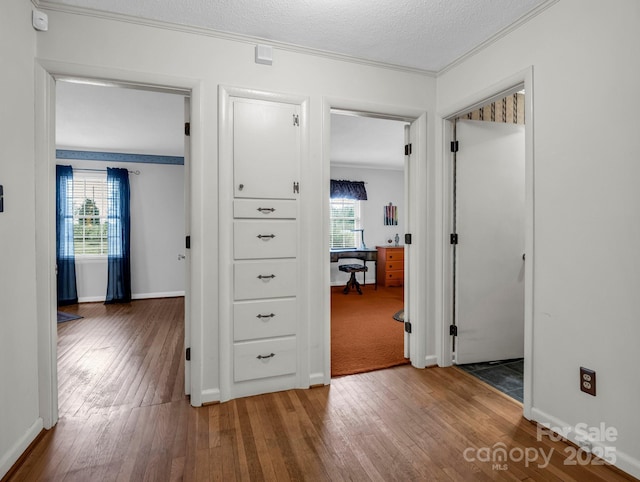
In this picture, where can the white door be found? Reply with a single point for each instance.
(266, 149)
(410, 137)
(187, 256)
(490, 214)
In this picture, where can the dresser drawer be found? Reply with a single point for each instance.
(394, 255)
(264, 358)
(393, 278)
(394, 275)
(265, 209)
(264, 239)
(265, 279)
(264, 319)
(394, 266)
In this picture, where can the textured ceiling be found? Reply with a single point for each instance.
(421, 34)
(111, 119)
(367, 142)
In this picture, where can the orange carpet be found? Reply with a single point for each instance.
(364, 335)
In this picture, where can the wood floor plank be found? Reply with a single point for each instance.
(124, 417)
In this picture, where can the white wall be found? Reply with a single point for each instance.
(157, 234)
(19, 413)
(103, 47)
(586, 261)
(383, 186)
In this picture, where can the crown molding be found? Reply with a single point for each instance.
(501, 34)
(207, 32)
(365, 165)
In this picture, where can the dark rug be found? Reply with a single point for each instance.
(62, 317)
(505, 375)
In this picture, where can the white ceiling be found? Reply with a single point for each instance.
(367, 142)
(422, 34)
(111, 119)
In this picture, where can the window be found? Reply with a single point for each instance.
(344, 218)
(89, 214)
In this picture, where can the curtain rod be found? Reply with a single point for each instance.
(136, 172)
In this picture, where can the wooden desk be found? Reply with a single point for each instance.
(361, 254)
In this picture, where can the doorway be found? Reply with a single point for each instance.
(367, 153)
(488, 242)
(100, 125)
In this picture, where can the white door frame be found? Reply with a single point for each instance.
(45, 155)
(444, 251)
(416, 225)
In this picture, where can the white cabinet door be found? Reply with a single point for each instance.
(266, 149)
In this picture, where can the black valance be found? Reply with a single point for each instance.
(348, 190)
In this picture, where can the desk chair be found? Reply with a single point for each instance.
(353, 282)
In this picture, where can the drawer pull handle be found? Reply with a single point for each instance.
(270, 315)
(270, 276)
(262, 236)
(263, 357)
(266, 210)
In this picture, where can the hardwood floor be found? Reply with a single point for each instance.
(123, 417)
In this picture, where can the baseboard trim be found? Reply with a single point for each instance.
(9, 459)
(135, 296)
(316, 379)
(210, 396)
(164, 294)
(431, 361)
(624, 461)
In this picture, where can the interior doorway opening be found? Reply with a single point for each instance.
(488, 220)
(367, 269)
(102, 125)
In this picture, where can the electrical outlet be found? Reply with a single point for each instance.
(588, 381)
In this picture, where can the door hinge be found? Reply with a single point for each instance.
(188, 354)
(187, 128)
(454, 146)
(296, 188)
(453, 330)
(407, 326)
(296, 120)
(408, 149)
(187, 242)
(407, 238)
(453, 238)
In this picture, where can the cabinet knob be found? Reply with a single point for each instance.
(240, 187)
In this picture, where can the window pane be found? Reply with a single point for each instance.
(90, 214)
(344, 218)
